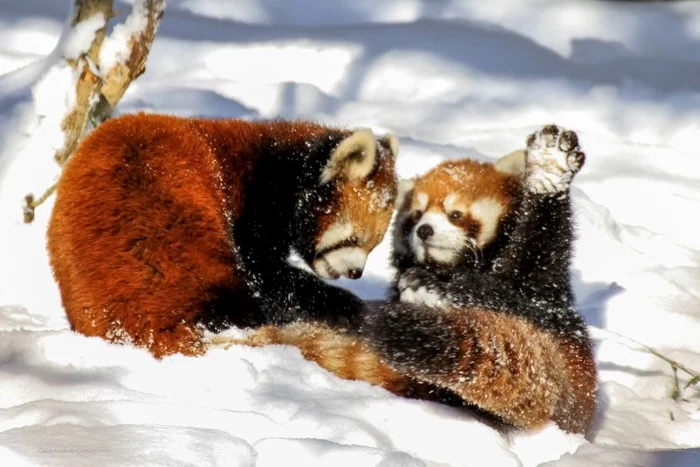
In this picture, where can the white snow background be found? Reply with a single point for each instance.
(451, 79)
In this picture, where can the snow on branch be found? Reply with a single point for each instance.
(95, 72)
(80, 46)
(124, 53)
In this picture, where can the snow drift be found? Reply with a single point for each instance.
(452, 79)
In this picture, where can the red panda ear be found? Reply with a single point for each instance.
(513, 163)
(353, 158)
(405, 192)
(390, 142)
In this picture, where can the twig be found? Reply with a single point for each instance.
(30, 204)
(676, 391)
(602, 334)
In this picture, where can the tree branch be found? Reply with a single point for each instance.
(88, 84)
(98, 91)
(119, 76)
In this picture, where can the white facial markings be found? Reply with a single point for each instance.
(452, 203)
(341, 260)
(443, 245)
(488, 212)
(346, 259)
(321, 268)
(335, 235)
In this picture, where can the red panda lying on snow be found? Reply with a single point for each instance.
(163, 224)
(481, 308)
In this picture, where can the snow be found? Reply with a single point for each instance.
(116, 46)
(54, 95)
(451, 79)
(81, 36)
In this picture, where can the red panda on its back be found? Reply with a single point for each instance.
(482, 300)
(481, 308)
(164, 224)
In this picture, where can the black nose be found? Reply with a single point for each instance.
(425, 231)
(354, 273)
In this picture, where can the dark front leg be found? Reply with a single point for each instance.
(537, 257)
(282, 293)
(459, 288)
(286, 294)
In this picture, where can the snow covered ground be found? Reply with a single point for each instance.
(452, 79)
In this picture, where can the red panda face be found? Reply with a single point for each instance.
(362, 197)
(454, 211)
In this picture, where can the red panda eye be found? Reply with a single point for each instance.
(454, 215)
(417, 214)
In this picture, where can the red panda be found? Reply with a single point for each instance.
(163, 226)
(481, 306)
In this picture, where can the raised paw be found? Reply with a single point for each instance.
(418, 286)
(552, 158)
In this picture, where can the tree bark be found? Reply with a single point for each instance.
(118, 78)
(88, 85)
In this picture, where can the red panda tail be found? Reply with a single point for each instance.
(346, 355)
(500, 363)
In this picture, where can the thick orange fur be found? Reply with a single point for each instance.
(527, 377)
(471, 180)
(139, 238)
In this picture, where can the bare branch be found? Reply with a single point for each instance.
(30, 204)
(88, 84)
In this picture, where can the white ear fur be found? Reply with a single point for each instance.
(390, 141)
(404, 190)
(354, 157)
(513, 163)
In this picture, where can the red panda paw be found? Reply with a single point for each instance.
(552, 158)
(420, 287)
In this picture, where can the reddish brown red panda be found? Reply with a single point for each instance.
(162, 225)
(481, 306)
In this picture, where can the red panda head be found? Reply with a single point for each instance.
(359, 187)
(452, 213)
